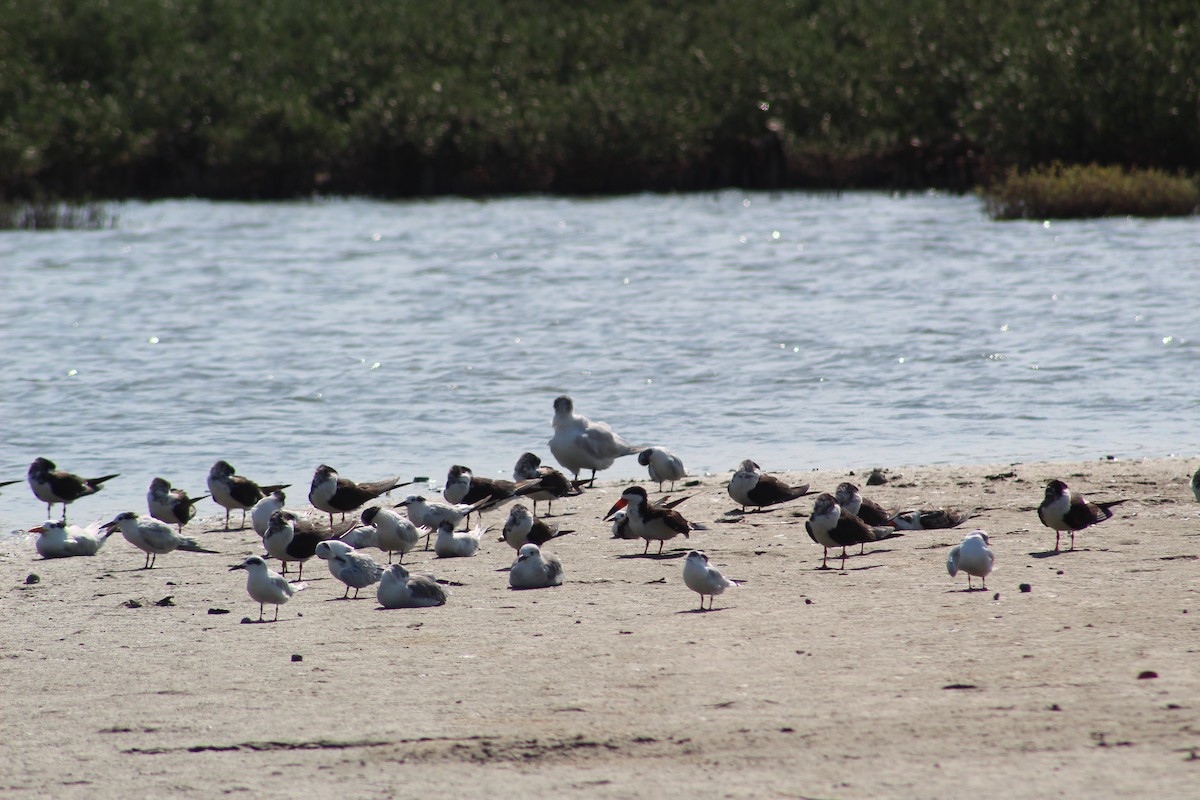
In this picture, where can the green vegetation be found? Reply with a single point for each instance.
(276, 98)
(1070, 192)
(42, 216)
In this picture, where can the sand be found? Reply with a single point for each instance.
(887, 679)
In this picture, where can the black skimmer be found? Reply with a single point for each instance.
(703, 578)
(400, 589)
(553, 486)
(334, 494)
(152, 537)
(973, 557)
(928, 519)
(750, 486)
(356, 570)
(663, 466)
(1064, 510)
(56, 540)
(450, 543)
(851, 499)
(52, 485)
(534, 569)
(393, 533)
(1196, 485)
(650, 522)
(265, 586)
(231, 491)
(292, 537)
(830, 526)
(579, 444)
(8, 483)
(523, 526)
(172, 506)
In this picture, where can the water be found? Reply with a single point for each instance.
(401, 337)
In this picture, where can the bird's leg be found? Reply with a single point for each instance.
(346, 594)
(825, 559)
(147, 564)
(862, 548)
(260, 612)
(1072, 540)
(646, 549)
(243, 527)
(300, 577)
(843, 559)
(276, 614)
(227, 519)
(1057, 534)
(661, 542)
(970, 588)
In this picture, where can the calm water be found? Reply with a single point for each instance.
(383, 338)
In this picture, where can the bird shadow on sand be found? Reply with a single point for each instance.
(1053, 553)
(974, 590)
(667, 556)
(846, 570)
(703, 610)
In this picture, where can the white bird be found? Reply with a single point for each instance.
(260, 515)
(152, 537)
(400, 589)
(356, 570)
(291, 538)
(621, 528)
(393, 532)
(56, 540)
(703, 578)
(523, 526)
(534, 569)
(973, 557)
(431, 514)
(552, 484)
(264, 585)
(578, 443)
(457, 544)
(663, 466)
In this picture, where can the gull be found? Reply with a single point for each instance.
(172, 506)
(231, 491)
(830, 526)
(52, 485)
(463, 487)
(973, 557)
(578, 443)
(663, 466)
(553, 485)
(928, 519)
(264, 585)
(650, 522)
(457, 544)
(534, 569)
(334, 494)
(703, 578)
(750, 486)
(352, 568)
(152, 537)
(400, 589)
(260, 515)
(56, 540)
(523, 526)
(1064, 510)
(393, 532)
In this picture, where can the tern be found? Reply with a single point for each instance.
(52, 485)
(534, 569)
(398, 588)
(523, 526)
(830, 526)
(1065, 510)
(431, 514)
(356, 570)
(750, 486)
(703, 578)
(462, 486)
(553, 484)
(260, 515)
(450, 543)
(231, 491)
(579, 444)
(172, 506)
(393, 533)
(663, 466)
(265, 585)
(151, 536)
(650, 522)
(334, 494)
(56, 540)
(973, 557)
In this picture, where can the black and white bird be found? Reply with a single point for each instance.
(393, 533)
(553, 485)
(56, 540)
(1196, 485)
(973, 557)
(663, 466)
(356, 570)
(334, 494)
(293, 539)
(462, 486)
(830, 526)
(52, 485)
(851, 499)
(650, 522)
(523, 526)
(8, 483)
(152, 537)
(1065, 510)
(232, 491)
(265, 586)
(703, 578)
(431, 514)
(534, 569)
(750, 486)
(579, 444)
(172, 506)
(928, 519)
(450, 543)
(398, 588)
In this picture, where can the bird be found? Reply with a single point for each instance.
(851, 499)
(450, 543)
(553, 484)
(523, 526)
(972, 556)
(231, 491)
(292, 538)
(393, 532)
(151, 536)
(703, 578)
(334, 494)
(830, 526)
(650, 522)
(928, 519)
(620, 526)
(462, 486)
(356, 570)
(264, 585)
(534, 569)
(260, 515)
(1195, 485)
(663, 466)
(56, 540)
(172, 506)
(750, 486)
(52, 485)
(431, 514)
(578, 443)
(1065, 510)
(398, 588)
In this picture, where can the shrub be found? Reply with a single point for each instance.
(1078, 191)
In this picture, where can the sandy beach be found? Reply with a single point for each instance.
(888, 679)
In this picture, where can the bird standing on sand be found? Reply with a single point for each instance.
(393, 533)
(552, 485)
(663, 466)
(291, 538)
(522, 526)
(850, 498)
(52, 485)
(703, 578)
(534, 569)
(973, 557)
(398, 588)
(1195, 485)
(172, 506)
(578, 443)
(356, 570)
(260, 515)
(650, 522)
(265, 585)
(1064, 510)
(334, 494)
(152, 537)
(231, 491)
(750, 486)
(56, 540)
(462, 486)
(830, 526)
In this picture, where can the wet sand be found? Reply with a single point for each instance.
(888, 679)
